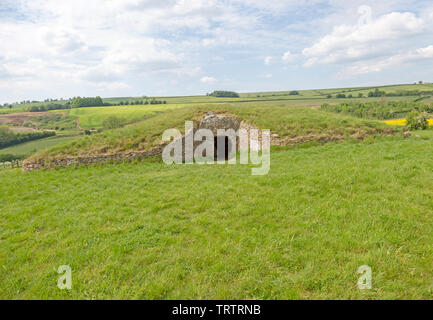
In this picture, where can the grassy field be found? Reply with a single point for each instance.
(310, 95)
(152, 231)
(94, 117)
(34, 146)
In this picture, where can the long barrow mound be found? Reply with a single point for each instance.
(289, 126)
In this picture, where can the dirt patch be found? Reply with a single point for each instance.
(18, 119)
(22, 129)
(79, 124)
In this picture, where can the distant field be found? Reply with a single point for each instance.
(305, 97)
(94, 117)
(33, 146)
(13, 110)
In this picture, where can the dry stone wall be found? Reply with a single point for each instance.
(210, 121)
(76, 161)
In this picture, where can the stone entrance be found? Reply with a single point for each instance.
(222, 153)
(214, 123)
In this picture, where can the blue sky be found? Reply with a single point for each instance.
(55, 49)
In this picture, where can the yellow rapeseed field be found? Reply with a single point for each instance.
(402, 122)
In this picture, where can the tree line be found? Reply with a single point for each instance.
(9, 138)
(140, 102)
(79, 102)
(223, 94)
(379, 93)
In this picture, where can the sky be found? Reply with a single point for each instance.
(118, 48)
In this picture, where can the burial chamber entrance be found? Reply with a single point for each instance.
(222, 148)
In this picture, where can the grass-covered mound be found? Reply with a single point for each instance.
(289, 123)
(215, 232)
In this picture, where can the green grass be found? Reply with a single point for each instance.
(93, 117)
(152, 231)
(34, 146)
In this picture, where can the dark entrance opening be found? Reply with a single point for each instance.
(222, 152)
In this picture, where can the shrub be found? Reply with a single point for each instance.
(10, 157)
(9, 138)
(112, 122)
(417, 120)
(376, 93)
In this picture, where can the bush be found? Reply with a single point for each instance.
(112, 122)
(417, 120)
(10, 157)
(9, 138)
(376, 93)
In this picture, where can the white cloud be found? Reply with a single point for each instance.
(63, 41)
(272, 6)
(208, 80)
(369, 37)
(412, 57)
(288, 57)
(268, 60)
